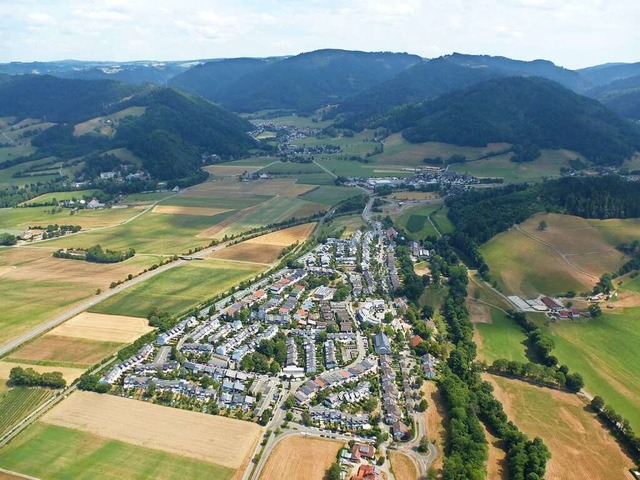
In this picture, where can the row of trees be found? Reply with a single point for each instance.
(28, 377)
(620, 426)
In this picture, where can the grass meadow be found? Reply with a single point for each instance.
(179, 288)
(59, 453)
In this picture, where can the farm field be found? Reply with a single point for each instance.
(179, 288)
(416, 222)
(69, 373)
(34, 286)
(220, 440)
(580, 447)
(300, 457)
(350, 223)
(198, 211)
(61, 196)
(57, 350)
(291, 168)
(22, 218)
(105, 328)
(329, 195)
(573, 256)
(548, 165)
(18, 402)
(496, 335)
(58, 453)
(604, 351)
(403, 466)
(265, 248)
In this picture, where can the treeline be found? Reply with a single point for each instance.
(354, 204)
(28, 377)
(95, 254)
(619, 426)
(15, 194)
(412, 284)
(469, 398)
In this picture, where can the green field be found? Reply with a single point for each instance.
(329, 195)
(605, 352)
(6, 174)
(290, 168)
(235, 202)
(416, 222)
(502, 338)
(317, 179)
(22, 218)
(61, 196)
(18, 402)
(59, 453)
(179, 288)
(548, 165)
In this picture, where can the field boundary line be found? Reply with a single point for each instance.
(16, 474)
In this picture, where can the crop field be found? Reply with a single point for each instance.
(227, 200)
(291, 168)
(23, 218)
(210, 438)
(604, 351)
(69, 373)
(413, 195)
(198, 211)
(416, 222)
(18, 402)
(580, 447)
(316, 179)
(300, 457)
(570, 254)
(548, 165)
(265, 248)
(435, 418)
(61, 196)
(58, 453)
(229, 187)
(329, 195)
(179, 288)
(105, 328)
(403, 466)
(58, 350)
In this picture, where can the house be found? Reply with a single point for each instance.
(416, 340)
(361, 450)
(382, 344)
(551, 304)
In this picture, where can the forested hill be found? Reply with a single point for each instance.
(622, 96)
(304, 82)
(59, 100)
(528, 112)
(170, 135)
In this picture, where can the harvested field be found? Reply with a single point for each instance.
(5, 270)
(298, 189)
(403, 466)
(209, 438)
(300, 457)
(69, 374)
(435, 418)
(285, 237)
(104, 328)
(413, 195)
(580, 447)
(54, 348)
(8, 476)
(249, 252)
(231, 170)
(231, 187)
(199, 211)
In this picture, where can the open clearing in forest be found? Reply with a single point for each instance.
(105, 328)
(220, 440)
(69, 373)
(58, 453)
(403, 466)
(300, 457)
(497, 468)
(179, 288)
(580, 447)
(570, 254)
(177, 210)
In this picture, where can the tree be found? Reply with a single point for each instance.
(7, 239)
(423, 446)
(595, 310)
(542, 226)
(334, 472)
(575, 382)
(265, 417)
(597, 403)
(423, 405)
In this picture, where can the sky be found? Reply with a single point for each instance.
(571, 33)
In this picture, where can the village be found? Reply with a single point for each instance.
(325, 337)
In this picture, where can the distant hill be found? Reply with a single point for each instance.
(129, 72)
(170, 136)
(609, 72)
(529, 112)
(430, 79)
(621, 96)
(304, 82)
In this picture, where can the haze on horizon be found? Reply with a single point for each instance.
(571, 33)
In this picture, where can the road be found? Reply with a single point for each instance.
(63, 317)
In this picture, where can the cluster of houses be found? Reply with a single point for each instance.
(391, 397)
(332, 418)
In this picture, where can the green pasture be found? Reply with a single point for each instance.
(292, 168)
(59, 453)
(502, 338)
(330, 195)
(179, 288)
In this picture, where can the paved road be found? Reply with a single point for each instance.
(54, 322)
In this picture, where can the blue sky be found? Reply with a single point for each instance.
(572, 33)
